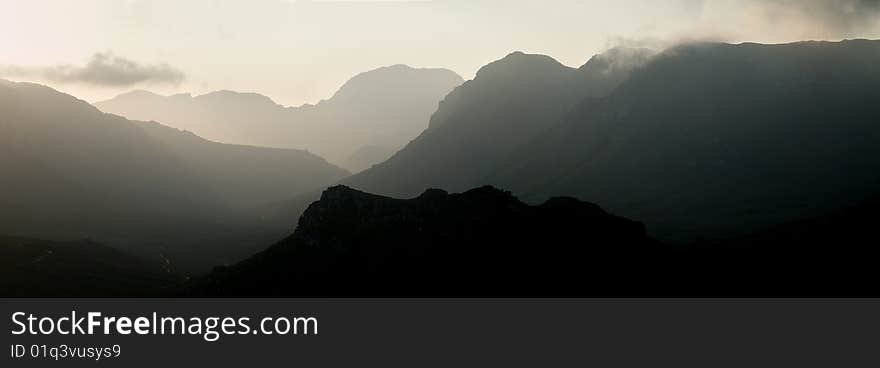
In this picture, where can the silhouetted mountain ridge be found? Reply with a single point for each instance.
(486, 243)
(481, 241)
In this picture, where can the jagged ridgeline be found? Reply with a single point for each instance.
(480, 242)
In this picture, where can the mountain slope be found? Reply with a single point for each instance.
(367, 156)
(386, 107)
(482, 122)
(714, 140)
(246, 175)
(73, 172)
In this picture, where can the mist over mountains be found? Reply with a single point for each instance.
(714, 139)
(702, 140)
(703, 160)
(384, 108)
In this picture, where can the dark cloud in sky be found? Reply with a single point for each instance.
(102, 69)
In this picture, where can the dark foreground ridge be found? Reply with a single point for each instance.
(486, 243)
(482, 242)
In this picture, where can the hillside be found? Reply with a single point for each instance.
(40, 268)
(246, 175)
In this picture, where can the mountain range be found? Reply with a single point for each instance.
(721, 169)
(714, 140)
(486, 243)
(705, 140)
(371, 115)
(481, 123)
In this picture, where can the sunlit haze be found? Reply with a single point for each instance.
(301, 51)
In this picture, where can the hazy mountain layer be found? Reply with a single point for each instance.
(367, 156)
(386, 107)
(246, 175)
(73, 172)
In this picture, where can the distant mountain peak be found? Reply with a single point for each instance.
(398, 77)
(223, 96)
(227, 96)
(519, 62)
(139, 93)
(395, 67)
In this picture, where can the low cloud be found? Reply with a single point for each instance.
(765, 21)
(790, 19)
(843, 16)
(102, 69)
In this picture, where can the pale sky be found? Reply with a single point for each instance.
(302, 51)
